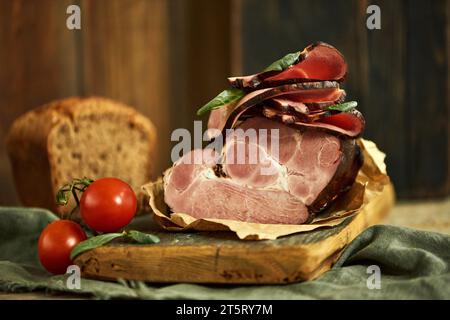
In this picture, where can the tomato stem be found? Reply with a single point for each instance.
(77, 185)
(75, 196)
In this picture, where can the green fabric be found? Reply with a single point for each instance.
(414, 265)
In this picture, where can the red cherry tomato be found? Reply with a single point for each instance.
(108, 204)
(56, 242)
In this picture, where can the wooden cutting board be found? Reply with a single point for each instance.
(220, 257)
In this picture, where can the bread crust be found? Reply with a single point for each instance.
(30, 138)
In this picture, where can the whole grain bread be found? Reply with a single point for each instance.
(74, 138)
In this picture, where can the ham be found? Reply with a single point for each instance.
(300, 104)
(308, 158)
(309, 171)
(317, 62)
(287, 104)
(350, 124)
(227, 116)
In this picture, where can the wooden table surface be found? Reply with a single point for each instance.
(429, 215)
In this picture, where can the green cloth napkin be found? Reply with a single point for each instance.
(414, 265)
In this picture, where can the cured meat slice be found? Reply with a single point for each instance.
(350, 124)
(227, 116)
(319, 61)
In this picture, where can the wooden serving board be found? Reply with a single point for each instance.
(220, 257)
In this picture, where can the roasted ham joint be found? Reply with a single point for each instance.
(303, 148)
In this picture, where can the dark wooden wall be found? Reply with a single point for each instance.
(167, 57)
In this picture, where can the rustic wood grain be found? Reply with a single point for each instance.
(38, 64)
(200, 58)
(125, 56)
(236, 37)
(387, 113)
(429, 114)
(221, 258)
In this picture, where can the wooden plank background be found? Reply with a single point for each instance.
(167, 57)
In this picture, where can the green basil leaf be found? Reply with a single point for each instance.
(142, 238)
(93, 243)
(343, 107)
(223, 98)
(284, 63)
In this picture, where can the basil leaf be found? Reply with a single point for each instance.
(142, 238)
(343, 107)
(223, 98)
(93, 243)
(284, 63)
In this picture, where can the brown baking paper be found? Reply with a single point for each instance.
(369, 183)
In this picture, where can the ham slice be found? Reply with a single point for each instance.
(287, 104)
(317, 62)
(226, 117)
(310, 169)
(296, 104)
(308, 105)
(350, 124)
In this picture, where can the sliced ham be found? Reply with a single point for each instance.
(310, 169)
(296, 104)
(314, 161)
(349, 124)
(227, 116)
(287, 104)
(315, 100)
(316, 62)
(290, 116)
(310, 104)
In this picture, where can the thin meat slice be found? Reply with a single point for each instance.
(317, 98)
(319, 61)
(227, 116)
(312, 103)
(349, 124)
(290, 116)
(287, 104)
(352, 123)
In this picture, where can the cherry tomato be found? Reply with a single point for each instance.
(108, 204)
(56, 242)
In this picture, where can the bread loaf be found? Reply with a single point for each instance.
(74, 138)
